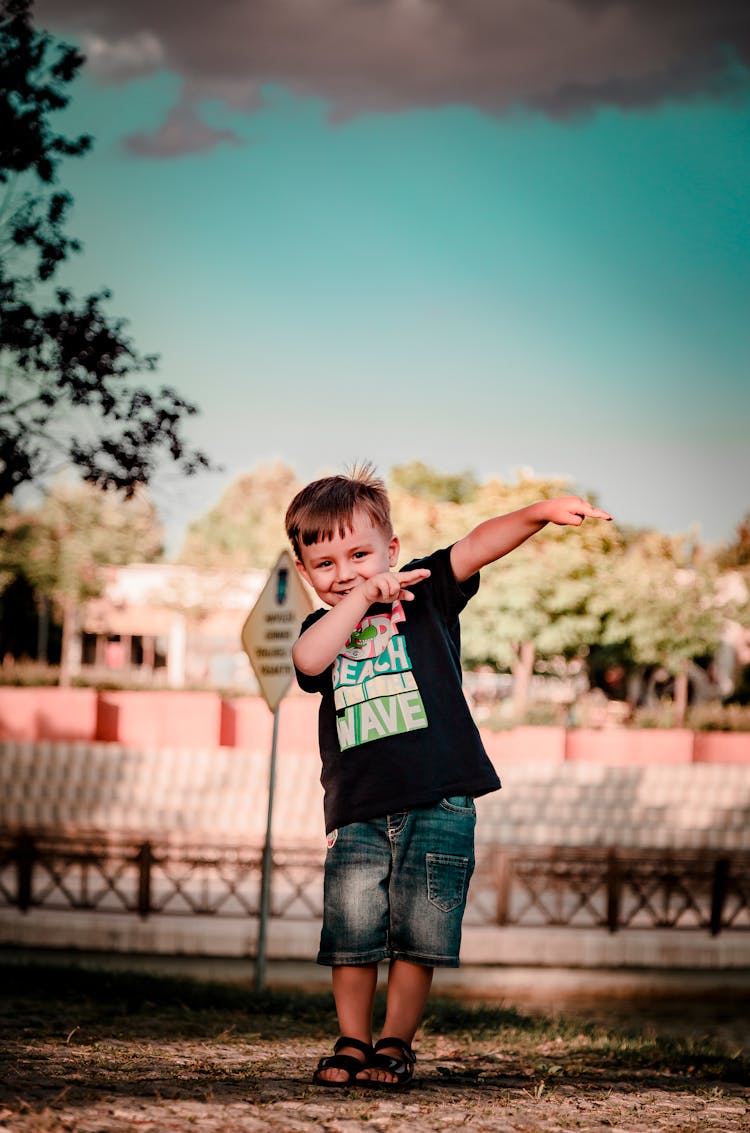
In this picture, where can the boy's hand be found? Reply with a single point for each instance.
(389, 586)
(496, 537)
(570, 511)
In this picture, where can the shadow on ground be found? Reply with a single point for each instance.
(109, 1051)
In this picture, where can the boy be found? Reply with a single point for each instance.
(402, 760)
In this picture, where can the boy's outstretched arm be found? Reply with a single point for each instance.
(496, 537)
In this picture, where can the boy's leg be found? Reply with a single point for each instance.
(433, 862)
(408, 988)
(354, 936)
(354, 993)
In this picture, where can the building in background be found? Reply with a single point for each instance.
(162, 624)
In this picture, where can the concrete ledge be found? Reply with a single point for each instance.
(597, 948)
(298, 941)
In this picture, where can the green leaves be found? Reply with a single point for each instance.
(245, 529)
(77, 531)
(65, 363)
(663, 608)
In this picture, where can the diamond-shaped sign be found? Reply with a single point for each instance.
(272, 627)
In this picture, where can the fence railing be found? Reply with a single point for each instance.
(617, 889)
(565, 887)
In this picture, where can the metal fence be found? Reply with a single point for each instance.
(617, 889)
(577, 888)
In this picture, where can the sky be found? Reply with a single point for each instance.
(490, 235)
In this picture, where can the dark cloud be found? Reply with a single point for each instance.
(560, 56)
(182, 132)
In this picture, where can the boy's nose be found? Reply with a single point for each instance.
(344, 572)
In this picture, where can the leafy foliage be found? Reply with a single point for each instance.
(77, 531)
(660, 604)
(540, 593)
(418, 479)
(245, 529)
(62, 549)
(64, 362)
(737, 554)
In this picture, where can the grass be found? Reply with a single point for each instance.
(82, 1045)
(46, 999)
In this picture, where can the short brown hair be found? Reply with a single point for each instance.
(327, 506)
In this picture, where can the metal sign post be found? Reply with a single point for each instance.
(266, 868)
(267, 637)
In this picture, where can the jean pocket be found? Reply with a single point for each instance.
(447, 876)
(463, 803)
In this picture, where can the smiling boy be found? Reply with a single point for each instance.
(402, 760)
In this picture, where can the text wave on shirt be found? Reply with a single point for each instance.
(377, 697)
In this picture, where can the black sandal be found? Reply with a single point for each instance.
(346, 1062)
(402, 1068)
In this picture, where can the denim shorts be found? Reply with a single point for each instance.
(395, 887)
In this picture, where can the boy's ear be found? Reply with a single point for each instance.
(303, 572)
(394, 548)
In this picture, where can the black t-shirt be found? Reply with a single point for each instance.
(394, 727)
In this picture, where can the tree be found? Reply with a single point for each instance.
(245, 529)
(537, 601)
(737, 554)
(418, 479)
(660, 603)
(13, 543)
(65, 363)
(534, 602)
(19, 606)
(76, 532)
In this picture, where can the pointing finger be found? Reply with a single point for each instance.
(409, 577)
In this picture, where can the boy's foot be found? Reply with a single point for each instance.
(391, 1065)
(341, 1068)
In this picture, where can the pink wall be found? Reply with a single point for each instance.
(525, 745)
(246, 722)
(159, 718)
(48, 713)
(630, 745)
(203, 719)
(722, 747)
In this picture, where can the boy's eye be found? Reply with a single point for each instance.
(360, 554)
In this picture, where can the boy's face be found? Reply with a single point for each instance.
(334, 566)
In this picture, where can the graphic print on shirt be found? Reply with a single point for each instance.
(374, 690)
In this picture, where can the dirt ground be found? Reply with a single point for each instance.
(94, 1052)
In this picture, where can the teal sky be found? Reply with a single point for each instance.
(480, 291)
